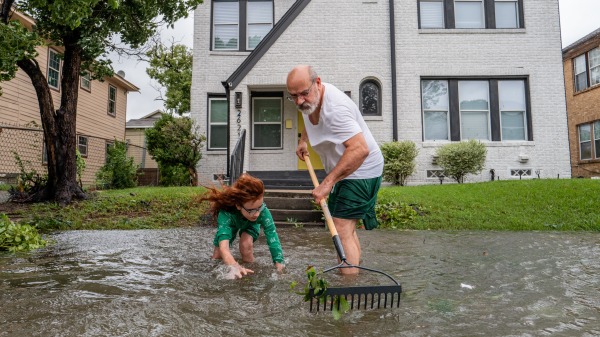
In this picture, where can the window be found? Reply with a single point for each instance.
(597, 138)
(512, 109)
(233, 20)
(520, 173)
(370, 98)
(471, 14)
(507, 14)
(44, 153)
(82, 145)
(435, 110)
(86, 82)
(217, 123)
(474, 109)
(586, 69)
(53, 69)
(589, 140)
(266, 121)
(112, 100)
(431, 14)
(484, 109)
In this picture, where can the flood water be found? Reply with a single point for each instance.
(163, 283)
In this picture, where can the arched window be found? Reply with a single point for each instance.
(370, 98)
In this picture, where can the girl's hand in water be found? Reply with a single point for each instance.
(238, 271)
(279, 267)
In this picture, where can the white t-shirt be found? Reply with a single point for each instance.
(339, 121)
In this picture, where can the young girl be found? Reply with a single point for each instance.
(240, 210)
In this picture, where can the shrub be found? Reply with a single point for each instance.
(394, 214)
(399, 161)
(18, 238)
(460, 159)
(174, 175)
(119, 171)
(29, 181)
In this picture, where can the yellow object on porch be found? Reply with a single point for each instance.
(314, 157)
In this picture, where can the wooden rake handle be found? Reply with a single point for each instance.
(328, 218)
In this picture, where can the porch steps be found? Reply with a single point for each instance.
(287, 180)
(293, 208)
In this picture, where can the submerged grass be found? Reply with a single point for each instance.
(536, 204)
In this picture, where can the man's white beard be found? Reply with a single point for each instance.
(308, 108)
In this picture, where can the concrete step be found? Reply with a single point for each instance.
(299, 224)
(293, 215)
(289, 203)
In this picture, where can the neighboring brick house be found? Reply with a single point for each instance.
(439, 71)
(100, 114)
(582, 82)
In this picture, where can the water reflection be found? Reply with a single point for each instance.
(162, 283)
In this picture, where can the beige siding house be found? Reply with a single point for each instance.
(100, 115)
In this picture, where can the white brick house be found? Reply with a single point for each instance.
(438, 73)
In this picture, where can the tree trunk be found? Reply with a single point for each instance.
(59, 128)
(193, 175)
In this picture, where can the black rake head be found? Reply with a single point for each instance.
(360, 297)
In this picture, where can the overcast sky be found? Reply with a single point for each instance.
(577, 19)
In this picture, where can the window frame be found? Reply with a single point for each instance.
(447, 111)
(114, 113)
(87, 76)
(80, 145)
(486, 112)
(454, 122)
(524, 116)
(377, 84)
(50, 68)
(209, 124)
(482, 12)
(266, 95)
(587, 70)
(489, 14)
(242, 24)
(580, 141)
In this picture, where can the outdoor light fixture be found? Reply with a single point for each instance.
(238, 99)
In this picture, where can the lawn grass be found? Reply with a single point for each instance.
(135, 208)
(536, 204)
(518, 205)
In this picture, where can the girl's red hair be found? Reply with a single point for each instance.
(246, 188)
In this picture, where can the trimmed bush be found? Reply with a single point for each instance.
(460, 159)
(399, 160)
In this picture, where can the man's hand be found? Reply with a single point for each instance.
(321, 192)
(302, 149)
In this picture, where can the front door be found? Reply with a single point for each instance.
(315, 160)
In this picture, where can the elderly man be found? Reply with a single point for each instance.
(352, 159)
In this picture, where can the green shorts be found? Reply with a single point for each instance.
(355, 199)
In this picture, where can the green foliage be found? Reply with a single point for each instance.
(29, 181)
(174, 175)
(18, 238)
(171, 67)
(399, 158)
(319, 285)
(16, 43)
(460, 159)
(175, 141)
(80, 166)
(119, 171)
(394, 214)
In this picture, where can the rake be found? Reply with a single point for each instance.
(365, 297)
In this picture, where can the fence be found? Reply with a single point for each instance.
(27, 142)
